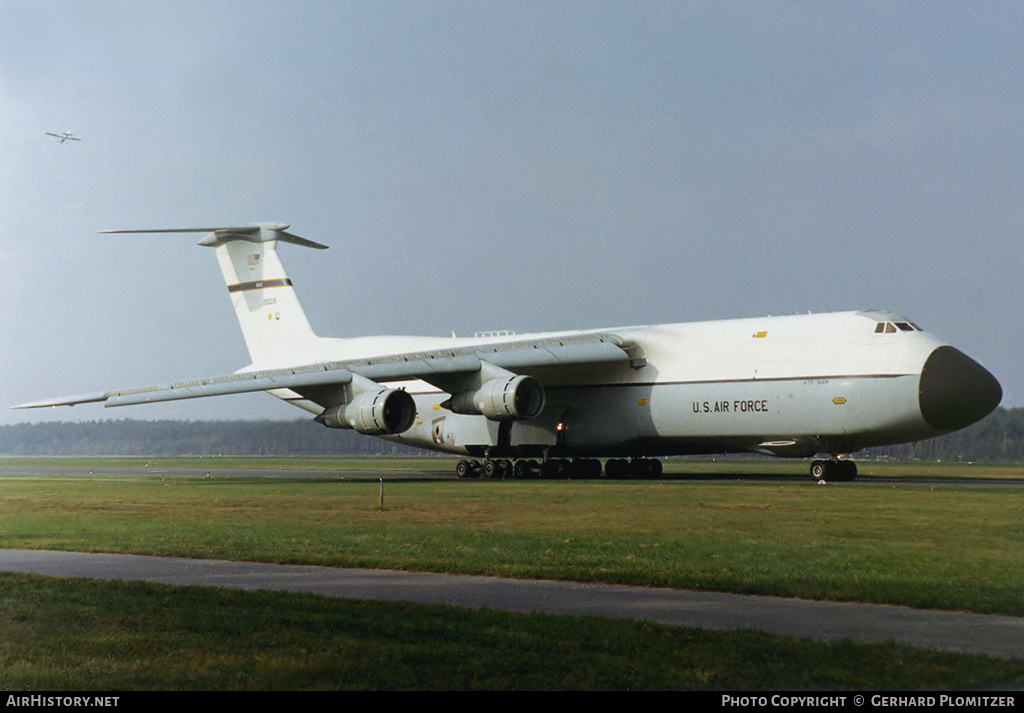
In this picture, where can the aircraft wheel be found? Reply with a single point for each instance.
(616, 468)
(819, 469)
(467, 469)
(525, 469)
(847, 470)
(554, 468)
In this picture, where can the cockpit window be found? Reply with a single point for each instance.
(893, 327)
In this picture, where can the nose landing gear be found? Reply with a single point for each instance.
(834, 469)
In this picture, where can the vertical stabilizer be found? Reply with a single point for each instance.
(273, 322)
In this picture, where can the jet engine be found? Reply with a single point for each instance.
(504, 398)
(373, 413)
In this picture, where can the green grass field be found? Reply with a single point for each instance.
(932, 547)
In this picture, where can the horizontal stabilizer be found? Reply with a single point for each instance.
(258, 233)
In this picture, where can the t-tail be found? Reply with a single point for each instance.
(274, 325)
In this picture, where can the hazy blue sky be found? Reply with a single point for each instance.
(499, 165)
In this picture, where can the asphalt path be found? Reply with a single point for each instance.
(997, 636)
(129, 471)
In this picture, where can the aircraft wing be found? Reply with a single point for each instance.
(429, 366)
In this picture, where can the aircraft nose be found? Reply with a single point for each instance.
(955, 390)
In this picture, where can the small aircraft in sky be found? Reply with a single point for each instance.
(553, 404)
(64, 136)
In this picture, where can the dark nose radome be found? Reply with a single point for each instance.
(955, 390)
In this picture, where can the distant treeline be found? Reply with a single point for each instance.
(201, 438)
(999, 438)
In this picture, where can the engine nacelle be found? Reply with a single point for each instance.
(373, 413)
(505, 398)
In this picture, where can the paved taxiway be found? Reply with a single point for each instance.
(999, 636)
(799, 475)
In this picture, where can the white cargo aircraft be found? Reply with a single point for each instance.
(66, 135)
(552, 404)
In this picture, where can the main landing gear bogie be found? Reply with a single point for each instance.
(560, 468)
(835, 470)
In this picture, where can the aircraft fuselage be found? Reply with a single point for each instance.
(787, 386)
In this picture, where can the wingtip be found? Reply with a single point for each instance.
(69, 401)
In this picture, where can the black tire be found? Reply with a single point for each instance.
(616, 468)
(638, 469)
(847, 470)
